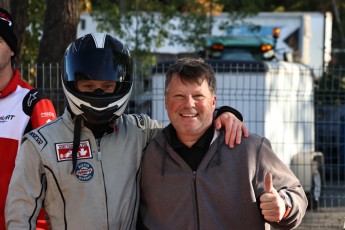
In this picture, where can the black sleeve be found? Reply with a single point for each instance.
(229, 109)
(30, 100)
(28, 104)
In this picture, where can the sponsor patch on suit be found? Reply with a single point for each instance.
(84, 171)
(64, 151)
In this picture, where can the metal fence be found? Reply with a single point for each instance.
(301, 111)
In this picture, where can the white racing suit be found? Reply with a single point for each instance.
(103, 191)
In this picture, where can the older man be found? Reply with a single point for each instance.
(192, 180)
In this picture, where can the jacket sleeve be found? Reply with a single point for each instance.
(229, 109)
(39, 109)
(26, 190)
(283, 179)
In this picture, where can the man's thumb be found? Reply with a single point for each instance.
(268, 182)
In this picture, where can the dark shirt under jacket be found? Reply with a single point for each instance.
(192, 156)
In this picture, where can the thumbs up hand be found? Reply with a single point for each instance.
(271, 204)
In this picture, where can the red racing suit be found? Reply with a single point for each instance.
(22, 109)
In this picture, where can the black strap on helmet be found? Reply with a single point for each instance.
(76, 141)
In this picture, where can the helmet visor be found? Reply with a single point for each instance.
(98, 64)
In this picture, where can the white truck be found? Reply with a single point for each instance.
(276, 100)
(306, 35)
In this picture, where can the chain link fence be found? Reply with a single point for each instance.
(302, 115)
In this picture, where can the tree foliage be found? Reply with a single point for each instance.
(155, 25)
(29, 17)
(154, 22)
(44, 28)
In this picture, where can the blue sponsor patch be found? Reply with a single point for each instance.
(84, 171)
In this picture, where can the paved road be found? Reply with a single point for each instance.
(324, 218)
(331, 211)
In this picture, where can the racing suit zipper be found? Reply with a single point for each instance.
(99, 157)
(196, 201)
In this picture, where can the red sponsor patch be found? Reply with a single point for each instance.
(64, 151)
(48, 114)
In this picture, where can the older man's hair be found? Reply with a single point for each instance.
(192, 70)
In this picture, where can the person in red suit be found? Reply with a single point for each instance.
(22, 108)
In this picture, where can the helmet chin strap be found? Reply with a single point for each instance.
(99, 130)
(76, 141)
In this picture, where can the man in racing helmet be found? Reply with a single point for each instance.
(85, 165)
(91, 59)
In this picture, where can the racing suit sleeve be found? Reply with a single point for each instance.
(149, 126)
(39, 109)
(26, 190)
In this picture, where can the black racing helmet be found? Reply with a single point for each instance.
(97, 56)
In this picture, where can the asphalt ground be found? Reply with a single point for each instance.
(330, 213)
(324, 218)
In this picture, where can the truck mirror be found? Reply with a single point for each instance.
(288, 57)
(276, 33)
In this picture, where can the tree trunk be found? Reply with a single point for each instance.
(19, 11)
(59, 30)
(5, 4)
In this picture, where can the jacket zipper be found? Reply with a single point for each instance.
(196, 201)
(99, 158)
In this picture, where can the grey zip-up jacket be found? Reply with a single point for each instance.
(223, 193)
(102, 193)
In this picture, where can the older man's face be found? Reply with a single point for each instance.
(190, 107)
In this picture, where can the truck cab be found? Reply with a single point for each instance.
(241, 47)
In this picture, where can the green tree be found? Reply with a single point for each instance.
(44, 28)
(152, 20)
(155, 25)
(147, 25)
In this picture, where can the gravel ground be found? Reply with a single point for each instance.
(324, 218)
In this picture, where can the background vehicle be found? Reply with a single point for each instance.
(304, 36)
(249, 45)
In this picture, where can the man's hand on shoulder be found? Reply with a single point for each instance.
(234, 128)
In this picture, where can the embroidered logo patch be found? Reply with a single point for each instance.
(64, 151)
(84, 171)
(32, 98)
(36, 137)
(47, 114)
(140, 120)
